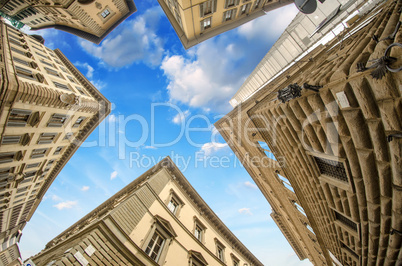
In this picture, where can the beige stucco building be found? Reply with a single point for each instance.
(328, 158)
(92, 20)
(48, 108)
(197, 21)
(158, 219)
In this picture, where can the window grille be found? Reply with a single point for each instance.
(332, 168)
(346, 221)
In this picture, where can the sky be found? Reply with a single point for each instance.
(165, 100)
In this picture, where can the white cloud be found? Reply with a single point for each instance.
(56, 198)
(111, 118)
(89, 69)
(180, 117)
(113, 175)
(136, 41)
(85, 188)
(50, 35)
(250, 185)
(212, 147)
(99, 84)
(65, 205)
(245, 211)
(208, 75)
(258, 28)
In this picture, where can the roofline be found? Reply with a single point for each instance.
(88, 36)
(188, 189)
(188, 43)
(84, 133)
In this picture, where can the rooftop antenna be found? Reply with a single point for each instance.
(306, 6)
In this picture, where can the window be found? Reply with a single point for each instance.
(158, 239)
(332, 168)
(11, 140)
(61, 85)
(46, 63)
(155, 246)
(346, 221)
(68, 135)
(7, 157)
(231, 3)
(32, 165)
(267, 150)
(44, 56)
(196, 258)
(57, 120)
(349, 250)
(64, 70)
(80, 90)
(38, 153)
(20, 61)
(78, 122)
(5, 173)
(18, 51)
(105, 13)
(228, 15)
(18, 118)
(30, 174)
(71, 79)
(54, 73)
(244, 9)
(207, 8)
(257, 4)
(24, 73)
(37, 48)
(235, 260)
(299, 208)
(285, 182)
(199, 230)
(206, 23)
(220, 250)
(20, 190)
(58, 150)
(174, 203)
(46, 138)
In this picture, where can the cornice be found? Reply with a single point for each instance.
(183, 183)
(104, 110)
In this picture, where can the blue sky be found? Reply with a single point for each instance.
(160, 92)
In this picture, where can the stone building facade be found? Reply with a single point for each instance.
(197, 21)
(323, 143)
(88, 19)
(158, 219)
(304, 33)
(47, 109)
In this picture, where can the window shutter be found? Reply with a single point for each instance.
(11, 139)
(202, 10)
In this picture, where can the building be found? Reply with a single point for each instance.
(88, 19)
(158, 219)
(197, 21)
(323, 143)
(303, 34)
(47, 109)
